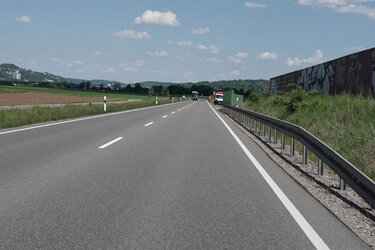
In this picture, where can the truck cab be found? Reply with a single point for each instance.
(218, 97)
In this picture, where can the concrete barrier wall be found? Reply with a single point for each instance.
(354, 73)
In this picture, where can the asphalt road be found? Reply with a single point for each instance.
(167, 177)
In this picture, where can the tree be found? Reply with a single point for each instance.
(138, 88)
(151, 92)
(128, 88)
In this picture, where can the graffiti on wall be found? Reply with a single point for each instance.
(353, 74)
(318, 77)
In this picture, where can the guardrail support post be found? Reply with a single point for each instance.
(304, 155)
(292, 146)
(264, 129)
(283, 141)
(342, 185)
(269, 134)
(276, 135)
(320, 167)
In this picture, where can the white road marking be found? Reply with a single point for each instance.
(148, 124)
(173, 112)
(178, 109)
(165, 116)
(81, 119)
(111, 142)
(298, 217)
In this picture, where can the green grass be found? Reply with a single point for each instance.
(21, 117)
(347, 124)
(22, 89)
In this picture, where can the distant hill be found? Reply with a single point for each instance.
(155, 83)
(93, 82)
(6, 71)
(260, 85)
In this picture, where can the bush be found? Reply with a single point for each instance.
(256, 96)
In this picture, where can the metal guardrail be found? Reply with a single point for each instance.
(348, 173)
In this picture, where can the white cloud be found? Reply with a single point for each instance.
(184, 43)
(157, 53)
(354, 49)
(318, 57)
(267, 55)
(33, 64)
(201, 31)
(97, 53)
(255, 5)
(343, 6)
(157, 18)
(157, 71)
(131, 34)
(237, 58)
(210, 59)
(188, 75)
(170, 42)
(211, 48)
(23, 19)
(132, 67)
(77, 62)
(108, 70)
(56, 59)
(234, 73)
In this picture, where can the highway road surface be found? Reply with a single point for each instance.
(178, 176)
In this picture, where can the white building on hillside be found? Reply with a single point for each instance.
(16, 75)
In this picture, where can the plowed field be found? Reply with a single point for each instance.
(7, 99)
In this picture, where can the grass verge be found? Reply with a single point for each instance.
(345, 123)
(20, 117)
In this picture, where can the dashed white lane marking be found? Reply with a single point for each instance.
(111, 142)
(173, 112)
(297, 216)
(148, 124)
(165, 116)
(178, 109)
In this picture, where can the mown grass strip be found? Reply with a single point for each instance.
(20, 117)
(347, 123)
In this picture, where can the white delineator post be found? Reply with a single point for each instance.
(105, 103)
(156, 100)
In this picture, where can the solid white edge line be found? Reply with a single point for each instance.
(148, 124)
(298, 217)
(111, 142)
(165, 116)
(82, 119)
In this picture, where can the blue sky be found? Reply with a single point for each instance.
(179, 41)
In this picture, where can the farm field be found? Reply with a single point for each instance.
(17, 95)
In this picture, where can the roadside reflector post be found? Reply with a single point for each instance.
(105, 103)
(342, 184)
(237, 102)
(304, 155)
(172, 99)
(292, 146)
(156, 100)
(320, 167)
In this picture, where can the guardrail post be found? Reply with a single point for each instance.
(282, 141)
(292, 146)
(269, 134)
(342, 184)
(304, 155)
(276, 135)
(264, 129)
(320, 167)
